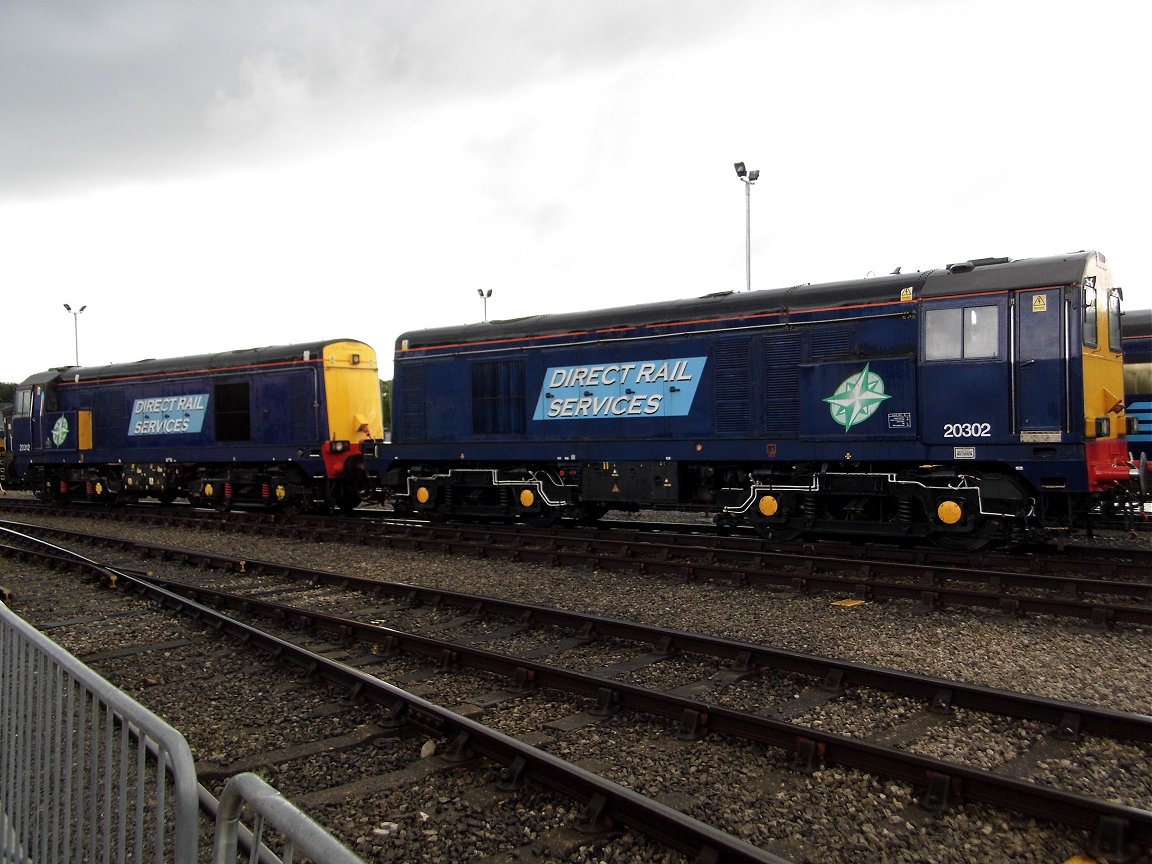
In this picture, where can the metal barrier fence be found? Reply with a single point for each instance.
(86, 773)
(297, 831)
(89, 775)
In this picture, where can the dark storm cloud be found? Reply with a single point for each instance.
(103, 87)
(129, 89)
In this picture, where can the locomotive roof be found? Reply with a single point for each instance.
(966, 277)
(1136, 323)
(240, 359)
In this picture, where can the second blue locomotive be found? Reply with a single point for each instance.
(281, 425)
(982, 401)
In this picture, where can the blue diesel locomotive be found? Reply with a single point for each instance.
(979, 402)
(5, 412)
(1136, 329)
(280, 425)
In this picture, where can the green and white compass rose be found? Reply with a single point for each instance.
(60, 432)
(857, 398)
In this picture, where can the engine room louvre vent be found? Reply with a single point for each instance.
(782, 386)
(301, 392)
(830, 343)
(732, 418)
(111, 410)
(233, 411)
(733, 390)
(498, 401)
(412, 420)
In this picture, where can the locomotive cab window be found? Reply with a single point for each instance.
(1114, 313)
(23, 406)
(1091, 340)
(968, 333)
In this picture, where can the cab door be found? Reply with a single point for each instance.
(964, 373)
(35, 417)
(1040, 382)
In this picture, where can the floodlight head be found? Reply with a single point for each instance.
(480, 291)
(82, 308)
(66, 306)
(740, 171)
(753, 176)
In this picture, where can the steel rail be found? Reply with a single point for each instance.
(605, 803)
(806, 578)
(1070, 719)
(1088, 561)
(1113, 825)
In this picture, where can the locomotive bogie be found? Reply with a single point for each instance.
(506, 492)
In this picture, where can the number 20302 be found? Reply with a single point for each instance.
(967, 430)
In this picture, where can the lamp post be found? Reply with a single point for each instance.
(484, 296)
(747, 178)
(76, 327)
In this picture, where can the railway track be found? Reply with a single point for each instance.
(725, 690)
(1078, 555)
(1086, 585)
(1084, 558)
(484, 763)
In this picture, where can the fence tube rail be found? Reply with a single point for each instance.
(86, 772)
(271, 808)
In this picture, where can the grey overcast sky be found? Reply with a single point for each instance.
(232, 173)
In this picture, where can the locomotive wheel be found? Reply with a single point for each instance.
(590, 514)
(294, 507)
(961, 542)
(778, 533)
(49, 492)
(347, 500)
(352, 489)
(545, 518)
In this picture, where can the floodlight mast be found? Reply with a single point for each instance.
(76, 328)
(484, 296)
(747, 178)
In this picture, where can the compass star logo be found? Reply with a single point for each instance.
(60, 432)
(857, 398)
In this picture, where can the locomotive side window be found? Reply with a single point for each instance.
(23, 406)
(942, 334)
(1090, 315)
(233, 414)
(981, 331)
(971, 333)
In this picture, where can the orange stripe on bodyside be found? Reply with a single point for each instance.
(689, 322)
(184, 372)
